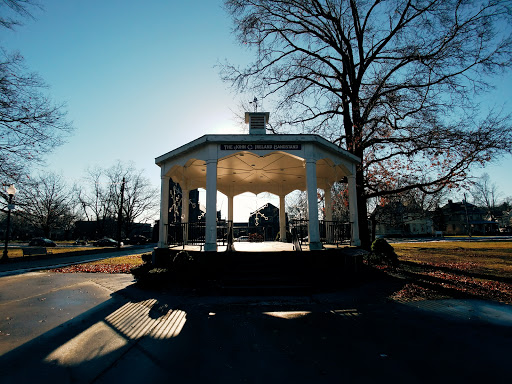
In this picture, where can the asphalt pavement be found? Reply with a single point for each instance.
(100, 328)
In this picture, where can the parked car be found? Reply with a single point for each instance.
(137, 239)
(80, 242)
(243, 238)
(106, 242)
(41, 242)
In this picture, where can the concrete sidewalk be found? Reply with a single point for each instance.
(95, 328)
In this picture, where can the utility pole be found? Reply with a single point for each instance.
(120, 215)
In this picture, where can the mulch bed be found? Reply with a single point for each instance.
(105, 268)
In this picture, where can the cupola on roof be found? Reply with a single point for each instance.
(257, 122)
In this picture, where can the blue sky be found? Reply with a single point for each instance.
(139, 79)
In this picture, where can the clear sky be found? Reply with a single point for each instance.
(139, 79)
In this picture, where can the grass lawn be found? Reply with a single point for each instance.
(486, 257)
(121, 264)
(18, 252)
(481, 269)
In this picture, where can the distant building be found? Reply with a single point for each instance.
(398, 219)
(265, 221)
(96, 229)
(465, 218)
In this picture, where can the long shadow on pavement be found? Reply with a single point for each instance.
(352, 335)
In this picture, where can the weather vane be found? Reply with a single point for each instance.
(255, 102)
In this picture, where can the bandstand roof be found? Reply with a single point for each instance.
(257, 162)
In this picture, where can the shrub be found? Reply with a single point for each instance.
(255, 237)
(148, 276)
(181, 271)
(147, 258)
(184, 268)
(140, 270)
(182, 258)
(383, 252)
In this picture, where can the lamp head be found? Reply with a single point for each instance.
(11, 190)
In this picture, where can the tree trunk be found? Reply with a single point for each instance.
(364, 233)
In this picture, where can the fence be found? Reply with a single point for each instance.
(331, 232)
(195, 233)
(335, 232)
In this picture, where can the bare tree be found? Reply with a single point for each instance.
(31, 124)
(340, 202)
(394, 82)
(100, 196)
(12, 11)
(46, 203)
(486, 195)
(140, 197)
(96, 200)
(296, 206)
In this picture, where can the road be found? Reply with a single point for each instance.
(14, 267)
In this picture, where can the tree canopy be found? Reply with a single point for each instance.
(31, 123)
(395, 82)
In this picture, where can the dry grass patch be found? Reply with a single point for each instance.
(493, 258)
(434, 270)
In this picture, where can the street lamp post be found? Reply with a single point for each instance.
(11, 191)
(120, 215)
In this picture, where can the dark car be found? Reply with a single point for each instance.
(105, 242)
(41, 242)
(137, 239)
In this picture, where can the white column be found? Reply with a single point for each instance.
(329, 226)
(282, 218)
(314, 231)
(164, 212)
(211, 206)
(230, 208)
(352, 205)
(185, 203)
